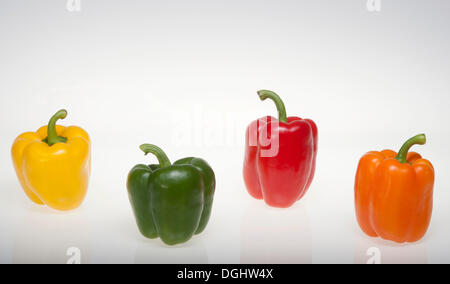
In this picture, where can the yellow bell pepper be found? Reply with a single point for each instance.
(53, 165)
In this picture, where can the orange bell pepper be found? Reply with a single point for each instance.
(394, 193)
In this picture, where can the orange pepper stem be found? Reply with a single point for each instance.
(53, 137)
(416, 140)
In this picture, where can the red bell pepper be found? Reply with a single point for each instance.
(280, 156)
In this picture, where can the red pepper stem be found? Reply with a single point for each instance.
(265, 94)
(416, 140)
(158, 152)
(52, 135)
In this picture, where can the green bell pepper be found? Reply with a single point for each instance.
(172, 202)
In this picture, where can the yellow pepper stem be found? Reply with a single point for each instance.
(53, 137)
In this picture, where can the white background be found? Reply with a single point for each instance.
(183, 75)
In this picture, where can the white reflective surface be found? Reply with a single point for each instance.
(183, 75)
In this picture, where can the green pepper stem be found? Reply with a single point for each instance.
(265, 94)
(53, 137)
(416, 140)
(158, 152)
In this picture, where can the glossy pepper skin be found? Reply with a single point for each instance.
(171, 201)
(282, 177)
(53, 164)
(394, 193)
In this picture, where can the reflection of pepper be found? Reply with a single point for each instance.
(280, 176)
(172, 202)
(53, 164)
(394, 193)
